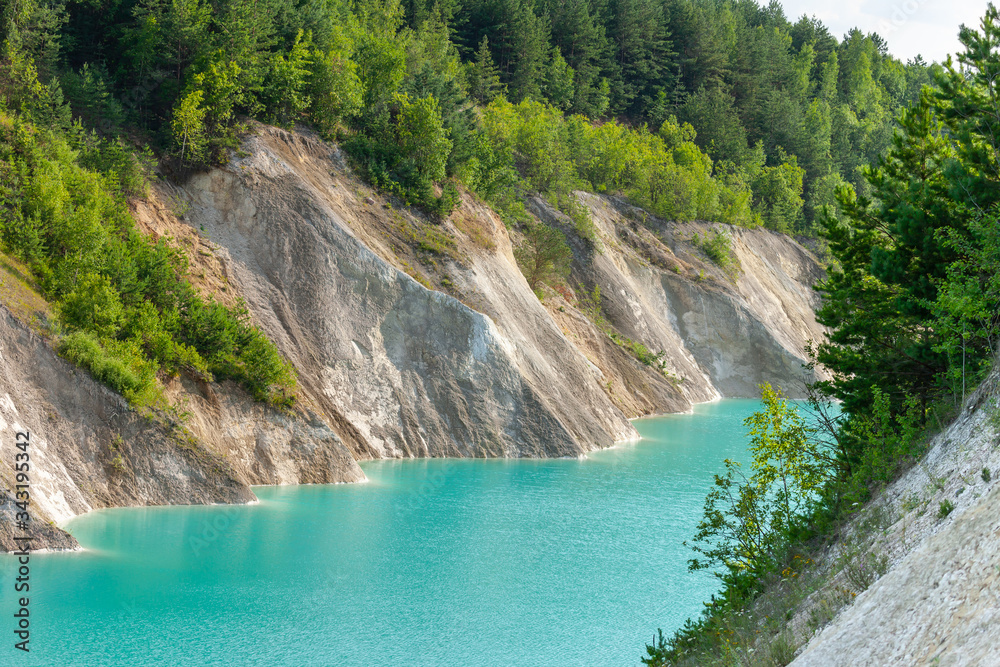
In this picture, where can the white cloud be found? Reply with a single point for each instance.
(911, 27)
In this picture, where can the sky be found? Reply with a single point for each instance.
(910, 27)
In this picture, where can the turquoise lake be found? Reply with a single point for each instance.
(437, 563)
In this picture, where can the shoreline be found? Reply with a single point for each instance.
(618, 444)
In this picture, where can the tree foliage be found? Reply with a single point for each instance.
(123, 300)
(544, 257)
(781, 108)
(747, 519)
(910, 307)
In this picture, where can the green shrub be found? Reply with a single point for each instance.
(885, 444)
(583, 224)
(234, 349)
(544, 257)
(93, 305)
(641, 353)
(719, 248)
(89, 94)
(781, 650)
(405, 151)
(862, 568)
(127, 170)
(447, 202)
(945, 508)
(120, 365)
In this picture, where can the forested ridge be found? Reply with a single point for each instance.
(722, 111)
(607, 95)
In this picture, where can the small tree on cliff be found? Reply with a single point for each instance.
(747, 519)
(544, 257)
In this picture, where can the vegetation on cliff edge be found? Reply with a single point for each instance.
(913, 306)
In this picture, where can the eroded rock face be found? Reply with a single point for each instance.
(939, 602)
(939, 606)
(416, 372)
(388, 366)
(722, 333)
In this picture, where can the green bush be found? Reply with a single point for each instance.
(886, 444)
(447, 202)
(120, 365)
(583, 224)
(127, 170)
(234, 349)
(124, 299)
(405, 151)
(945, 508)
(641, 353)
(93, 305)
(719, 248)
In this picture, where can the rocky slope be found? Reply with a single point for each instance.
(410, 338)
(939, 601)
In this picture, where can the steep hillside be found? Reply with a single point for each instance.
(409, 338)
(937, 604)
(724, 332)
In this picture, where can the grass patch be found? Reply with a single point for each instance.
(475, 228)
(427, 238)
(21, 294)
(437, 242)
(583, 224)
(640, 352)
(719, 248)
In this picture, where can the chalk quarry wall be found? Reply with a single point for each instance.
(939, 602)
(400, 352)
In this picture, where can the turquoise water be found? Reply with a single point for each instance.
(444, 563)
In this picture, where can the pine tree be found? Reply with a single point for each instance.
(891, 259)
(642, 54)
(482, 75)
(558, 86)
(528, 48)
(581, 41)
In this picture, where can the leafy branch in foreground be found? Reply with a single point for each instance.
(747, 519)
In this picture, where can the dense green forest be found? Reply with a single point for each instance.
(712, 109)
(913, 305)
(123, 306)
